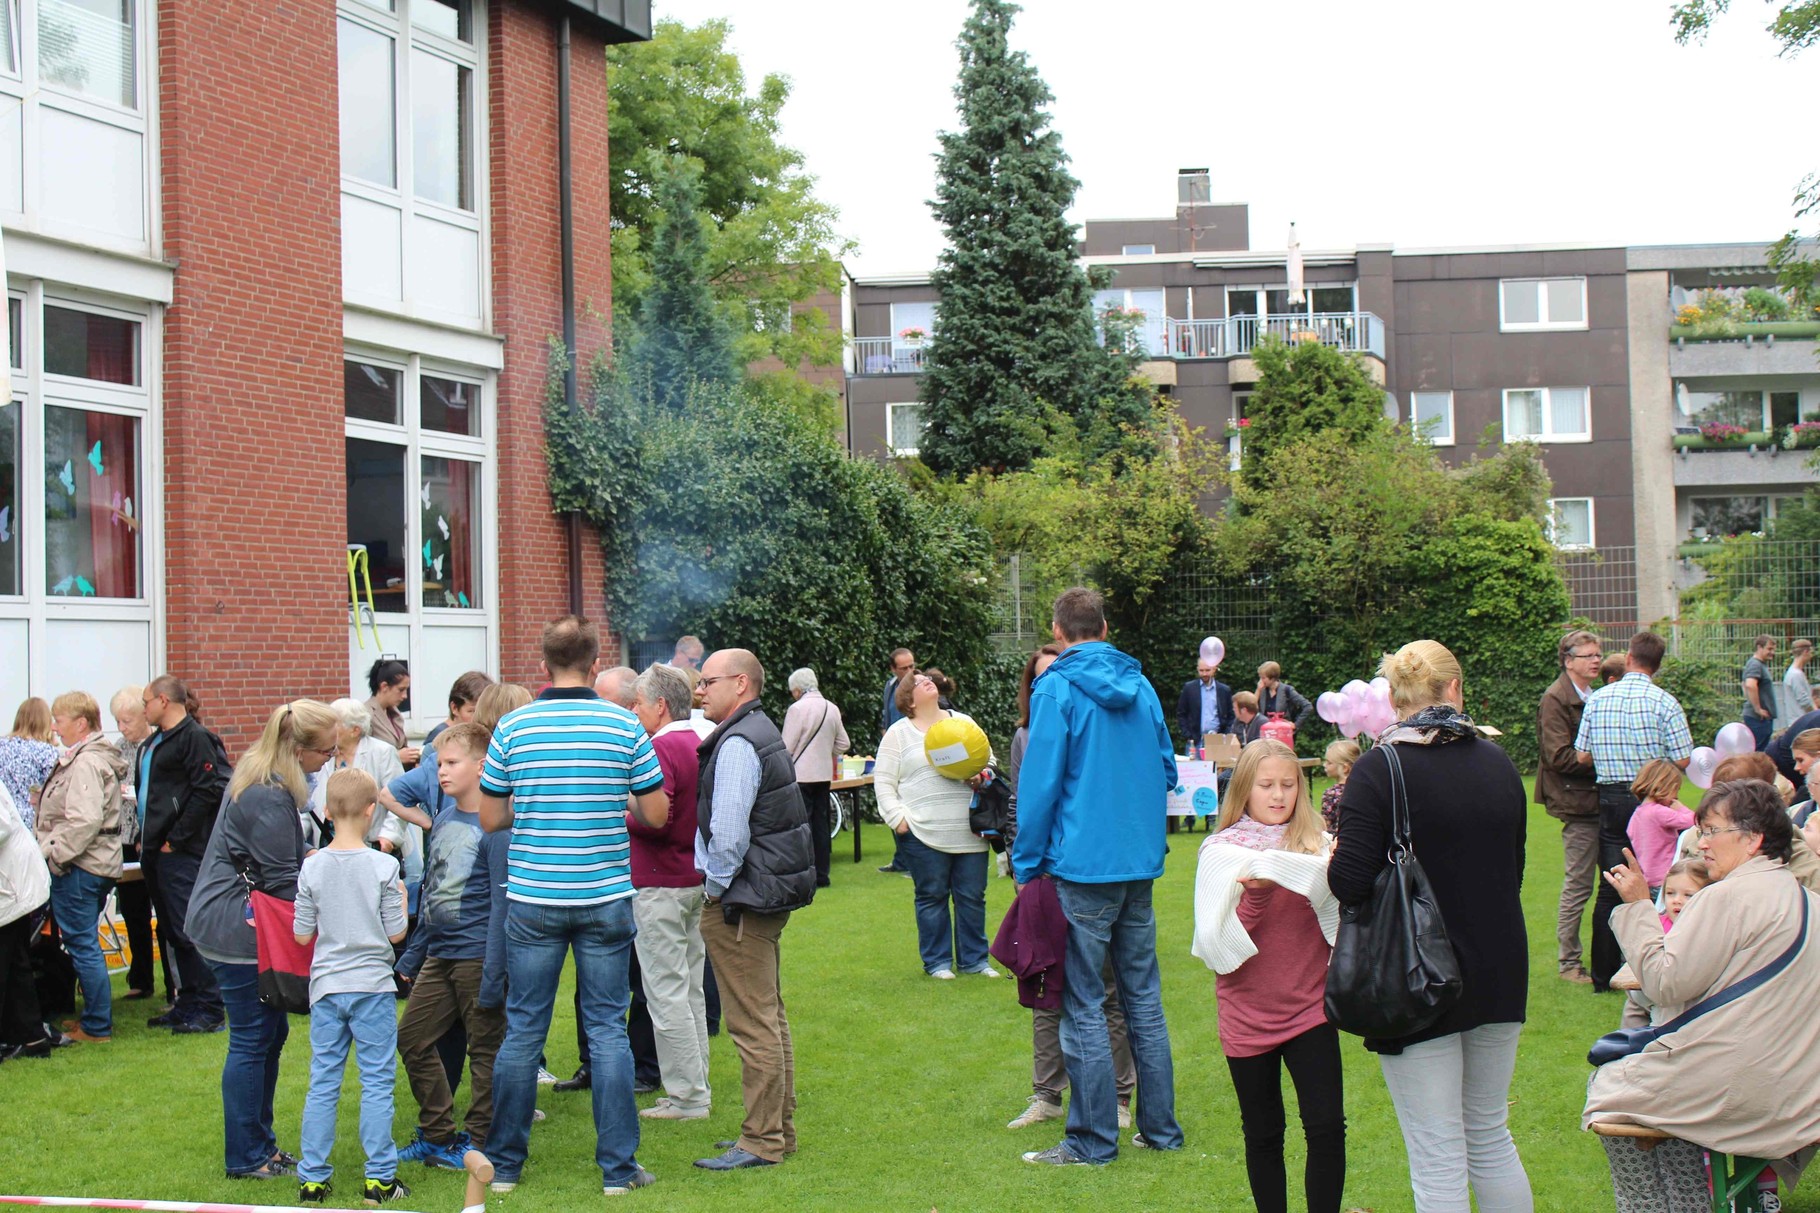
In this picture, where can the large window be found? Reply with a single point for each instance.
(1570, 522)
(1147, 321)
(1533, 304)
(1274, 301)
(407, 81)
(1547, 414)
(1431, 416)
(1722, 517)
(912, 324)
(1748, 408)
(367, 59)
(91, 528)
(88, 47)
(904, 425)
(9, 37)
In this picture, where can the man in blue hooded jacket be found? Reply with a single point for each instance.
(1091, 804)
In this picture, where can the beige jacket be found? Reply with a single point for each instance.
(78, 823)
(815, 737)
(1714, 1083)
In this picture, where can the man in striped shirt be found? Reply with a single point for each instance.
(562, 772)
(1627, 724)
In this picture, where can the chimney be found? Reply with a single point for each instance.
(1193, 187)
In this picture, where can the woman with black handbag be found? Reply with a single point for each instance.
(257, 843)
(1448, 1067)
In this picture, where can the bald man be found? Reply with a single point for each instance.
(753, 849)
(615, 685)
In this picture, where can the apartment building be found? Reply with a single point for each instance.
(280, 281)
(1573, 347)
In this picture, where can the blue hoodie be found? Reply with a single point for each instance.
(1093, 789)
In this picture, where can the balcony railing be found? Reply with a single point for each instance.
(886, 356)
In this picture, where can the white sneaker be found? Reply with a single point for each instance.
(1124, 1116)
(943, 974)
(663, 1109)
(985, 971)
(502, 1185)
(545, 1078)
(1035, 1112)
(536, 1115)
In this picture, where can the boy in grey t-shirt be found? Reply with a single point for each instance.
(350, 902)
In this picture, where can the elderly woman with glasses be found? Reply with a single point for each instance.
(1691, 1083)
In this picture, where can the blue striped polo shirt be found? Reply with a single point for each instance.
(569, 760)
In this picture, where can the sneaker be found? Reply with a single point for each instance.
(1124, 1116)
(198, 1027)
(536, 1115)
(1143, 1143)
(378, 1192)
(418, 1149)
(663, 1109)
(641, 1178)
(984, 971)
(448, 1157)
(943, 975)
(502, 1186)
(1057, 1156)
(166, 1019)
(545, 1078)
(1035, 1112)
(311, 1193)
(282, 1159)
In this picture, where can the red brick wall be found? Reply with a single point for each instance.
(254, 517)
(527, 304)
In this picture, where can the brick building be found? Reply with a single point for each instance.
(281, 281)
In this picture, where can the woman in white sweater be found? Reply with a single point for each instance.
(947, 860)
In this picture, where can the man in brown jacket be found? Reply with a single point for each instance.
(1567, 788)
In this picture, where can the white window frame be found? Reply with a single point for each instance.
(1545, 324)
(37, 606)
(416, 443)
(891, 438)
(1415, 425)
(1554, 507)
(1548, 435)
(1154, 333)
(898, 343)
(1261, 291)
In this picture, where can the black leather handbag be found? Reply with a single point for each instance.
(1394, 971)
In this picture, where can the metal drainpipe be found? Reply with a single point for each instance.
(566, 175)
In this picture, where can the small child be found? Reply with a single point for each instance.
(1686, 878)
(1660, 817)
(1273, 1007)
(350, 903)
(1338, 764)
(455, 962)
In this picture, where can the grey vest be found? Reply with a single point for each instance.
(779, 869)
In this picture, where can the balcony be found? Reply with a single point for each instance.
(1755, 458)
(886, 356)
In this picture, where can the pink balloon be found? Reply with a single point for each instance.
(1735, 738)
(1381, 685)
(1213, 649)
(1700, 766)
(1349, 728)
(1327, 706)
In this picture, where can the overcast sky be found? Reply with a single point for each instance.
(1416, 122)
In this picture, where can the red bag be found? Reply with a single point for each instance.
(284, 964)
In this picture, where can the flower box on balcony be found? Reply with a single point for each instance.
(1739, 330)
(1700, 442)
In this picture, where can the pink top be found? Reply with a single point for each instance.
(1281, 992)
(1654, 830)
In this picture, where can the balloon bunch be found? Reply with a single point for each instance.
(1213, 649)
(1358, 707)
(1735, 738)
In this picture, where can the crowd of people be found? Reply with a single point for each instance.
(660, 829)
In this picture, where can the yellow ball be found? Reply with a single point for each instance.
(956, 748)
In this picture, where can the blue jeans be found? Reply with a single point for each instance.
(76, 901)
(1116, 920)
(249, 1075)
(538, 940)
(368, 1022)
(939, 876)
(1760, 728)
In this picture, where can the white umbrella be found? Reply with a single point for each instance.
(1296, 295)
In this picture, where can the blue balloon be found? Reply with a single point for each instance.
(1206, 802)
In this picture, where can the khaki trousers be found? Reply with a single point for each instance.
(446, 991)
(670, 965)
(1580, 845)
(746, 964)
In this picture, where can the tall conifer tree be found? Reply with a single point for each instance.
(683, 336)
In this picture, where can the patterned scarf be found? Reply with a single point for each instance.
(1253, 835)
(1436, 724)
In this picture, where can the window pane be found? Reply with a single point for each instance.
(1718, 517)
(1521, 303)
(1241, 303)
(439, 130)
(376, 517)
(446, 17)
(911, 323)
(451, 533)
(366, 104)
(1138, 250)
(1743, 408)
(1433, 415)
(86, 46)
(1572, 522)
(1523, 414)
(88, 346)
(1567, 409)
(905, 422)
(11, 582)
(91, 504)
(1784, 408)
(372, 392)
(1278, 303)
(9, 35)
(1332, 300)
(15, 332)
(449, 407)
(1566, 303)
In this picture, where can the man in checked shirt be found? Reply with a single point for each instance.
(1627, 724)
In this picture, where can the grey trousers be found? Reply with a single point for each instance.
(1049, 1074)
(1580, 848)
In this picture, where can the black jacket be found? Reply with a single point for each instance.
(1188, 709)
(1778, 747)
(1467, 819)
(183, 788)
(779, 869)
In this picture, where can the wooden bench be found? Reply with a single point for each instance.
(1734, 1177)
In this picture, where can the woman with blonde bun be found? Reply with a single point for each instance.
(1450, 1082)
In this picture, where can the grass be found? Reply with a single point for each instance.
(904, 1085)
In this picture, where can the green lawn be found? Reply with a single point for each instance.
(904, 1084)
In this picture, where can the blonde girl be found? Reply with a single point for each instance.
(1337, 763)
(1272, 1009)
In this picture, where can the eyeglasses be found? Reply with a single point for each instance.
(1592, 656)
(704, 683)
(327, 753)
(1708, 833)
